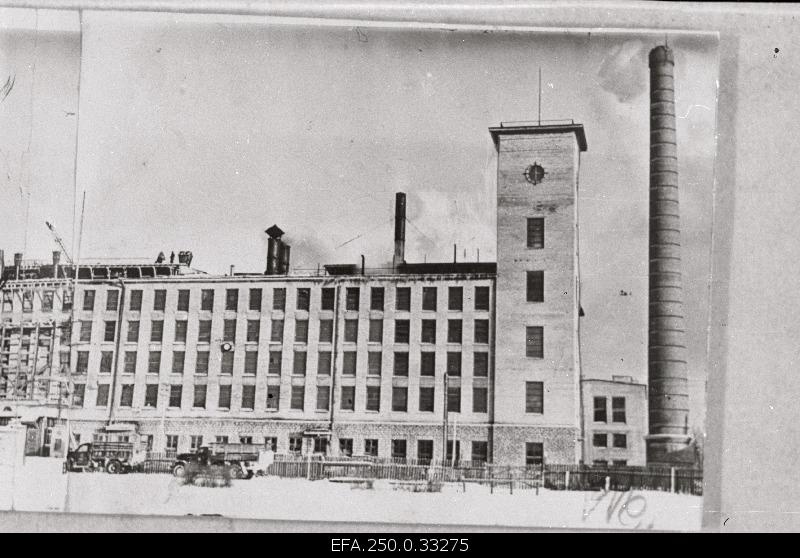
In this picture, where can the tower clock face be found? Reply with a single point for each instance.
(534, 173)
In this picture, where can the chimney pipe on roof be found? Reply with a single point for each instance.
(285, 252)
(2, 264)
(399, 229)
(56, 263)
(17, 264)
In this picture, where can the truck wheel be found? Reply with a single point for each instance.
(235, 471)
(179, 470)
(113, 467)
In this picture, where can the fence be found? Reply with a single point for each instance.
(158, 462)
(621, 478)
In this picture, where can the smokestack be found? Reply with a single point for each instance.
(274, 250)
(2, 263)
(666, 365)
(399, 229)
(285, 252)
(56, 263)
(17, 264)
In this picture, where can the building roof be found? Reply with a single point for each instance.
(542, 127)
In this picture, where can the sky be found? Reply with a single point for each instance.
(199, 132)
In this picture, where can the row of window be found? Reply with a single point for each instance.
(375, 365)
(352, 299)
(426, 401)
(600, 440)
(402, 331)
(617, 409)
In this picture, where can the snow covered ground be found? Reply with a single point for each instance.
(42, 488)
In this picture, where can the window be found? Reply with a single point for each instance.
(175, 396)
(78, 392)
(536, 232)
(600, 440)
(207, 300)
(86, 332)
(620, 441)
(480, 399)
(181, 327)
(204, 331)
(401, 331)
(157, 331)
(426, 399)
(401, 364)
(246, 440)
(348, 402)
(400, 399)
(453, 451)
(454, 331)
(200, 392)
(221, 439)
(480, 364)
(353, 298)
(481, 331)
(226, 364)
(251, 363)
(427, 363)
(328, 298)
(178, 361)
(351, 331)
(534, 453)
(106, 360)
(154, 362)
(346, 446)
(82, 366)
(151, 395)
(376, 331)
(66, 302)
(326, 331)
(8, 302)
(183, 300)
(126, 396)
(534, 397)
(271, 443)
(172, 442)
(619, 462)
(303, 299)
(232, 299)
(480, 451)
(376, 299)
(535, 287)
(323, 398)
(373, 398)
(425, 451)
(110, 331)
(453, 363)
(88, 301)
(298, 398)
(349, 362)
(255, 300)
(27, 301)
(455, 298)
(398, 449)
(133, 332)
(618, 409)
(403, 302)
(453, 399)
(112, 300)
(224, 400)
(196, 442)
(47, 300)
(600, 409)
(295, 444)
(279, 299)
(324, 363)
(276, 335)
(273, 397)
(481, 298)
(534, 341)
(229, 331)
(275, 361)
(429, 298)
(130, 362)
(299, 365)
(159, 300)
(253, 331)
(321, 445)
(201, 365)
(374, 362)
(248, 397)
(135, 304)
(371, 447)
(428, 331)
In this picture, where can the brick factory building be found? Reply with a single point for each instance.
(346, 361)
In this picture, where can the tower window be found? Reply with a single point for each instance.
(534, 341)
(535, 287)
(536, 232)
(534, 397)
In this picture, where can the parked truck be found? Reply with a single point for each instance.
(242, 461)
(113, 449)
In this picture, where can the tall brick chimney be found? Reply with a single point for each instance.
(666, 363)
(399, 229)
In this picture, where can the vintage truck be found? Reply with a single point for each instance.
(242, 461)
(116, 448)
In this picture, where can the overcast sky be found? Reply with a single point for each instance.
(197, 133)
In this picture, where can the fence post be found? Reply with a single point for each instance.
(566, 480)
(608, 484)
(672, 479)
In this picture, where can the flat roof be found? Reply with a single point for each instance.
(531, 128)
